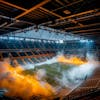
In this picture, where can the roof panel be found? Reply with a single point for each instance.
(9, 11)
(25, 3)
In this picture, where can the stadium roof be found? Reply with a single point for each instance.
(80, 17)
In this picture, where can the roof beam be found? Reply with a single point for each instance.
(12, 27)
(50, 12)
(70, 4)
(88, 17)
(60, 2)
(18, 7)
(3, 24)
(84, 31)
(85, 26)
(89, 33)
(82, 19)
(78, 14)
(74, 21)
(33, 8)
(75, 15)
(15, 6)
(12, 5)
(13, 19)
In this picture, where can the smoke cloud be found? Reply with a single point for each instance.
(23, 86)
(19, 85)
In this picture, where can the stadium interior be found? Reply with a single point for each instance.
(49, 50)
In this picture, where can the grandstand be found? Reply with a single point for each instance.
(35, 33)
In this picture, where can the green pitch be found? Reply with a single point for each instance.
(53, 71)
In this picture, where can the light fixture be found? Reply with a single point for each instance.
(67, 12)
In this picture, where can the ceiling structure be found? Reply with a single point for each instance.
(80, 17)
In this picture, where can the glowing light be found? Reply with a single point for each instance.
(85, 41)
(73, 60)
(20, 85)
(61, 41)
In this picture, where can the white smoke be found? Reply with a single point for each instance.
(28, 66)
(77, 75)
(71, 77)
(41, 73)
(48, 61)
(32, 66)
